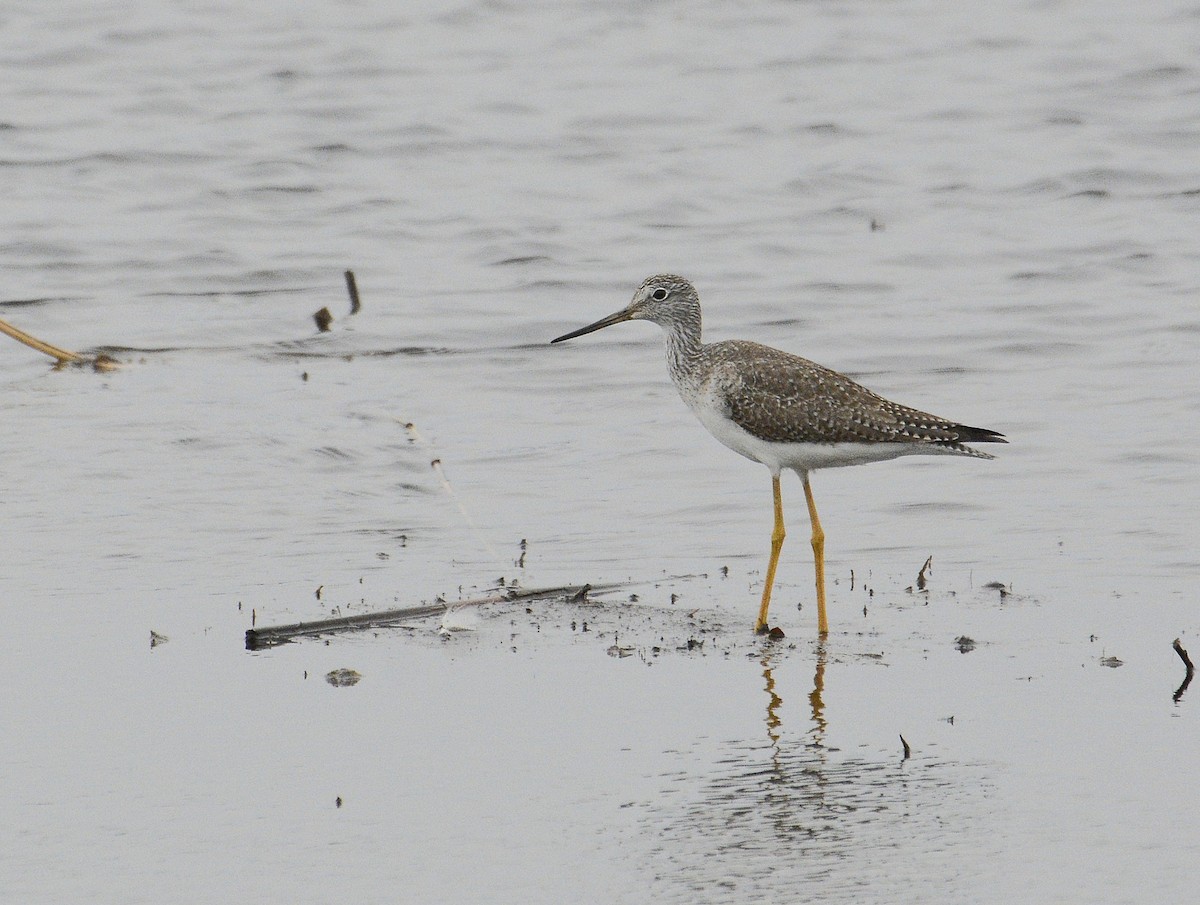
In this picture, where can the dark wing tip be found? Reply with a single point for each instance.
(967, 434)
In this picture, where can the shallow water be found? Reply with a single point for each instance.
(184, 189)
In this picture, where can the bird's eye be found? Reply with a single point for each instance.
(658, 294)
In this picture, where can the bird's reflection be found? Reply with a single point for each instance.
(773, 702)
(795, 794)
(816, 702)
(793, 808)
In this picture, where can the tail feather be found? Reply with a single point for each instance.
(964, 434)
(968, 434)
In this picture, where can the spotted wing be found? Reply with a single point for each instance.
(786, 399)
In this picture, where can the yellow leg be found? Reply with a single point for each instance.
(777, 536)
(818, 545)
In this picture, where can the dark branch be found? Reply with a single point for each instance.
(1191, 670)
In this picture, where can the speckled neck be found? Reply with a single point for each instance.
(683, 346)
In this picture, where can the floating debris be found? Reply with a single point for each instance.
(922, 579)
(352, 289)
(101, 363)
(459, 619)
(259, 638)
(1191, 670)
(964, 644)
(343, 678)
(1111, 662)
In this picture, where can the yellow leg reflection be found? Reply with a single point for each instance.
(773, 702)
(815, 700)
(777, 536)
(774, 719)
(818, 545)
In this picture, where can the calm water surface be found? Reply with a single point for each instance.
(184, 187)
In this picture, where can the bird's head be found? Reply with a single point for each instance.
(664, 299)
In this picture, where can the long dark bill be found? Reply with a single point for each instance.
(619, 317)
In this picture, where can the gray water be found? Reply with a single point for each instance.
(184, 185)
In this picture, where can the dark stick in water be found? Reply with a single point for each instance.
(269, 636)
(352, 288)
(1191, 670)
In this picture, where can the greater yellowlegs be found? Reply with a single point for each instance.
(784, 411)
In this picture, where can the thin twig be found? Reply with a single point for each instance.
(436, 465)
(34, 343)
(1183, 655)
(1191, 670)
(269, 636)
(925, 569)
(352, 288)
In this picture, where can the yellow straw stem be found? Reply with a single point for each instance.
(34, 343)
